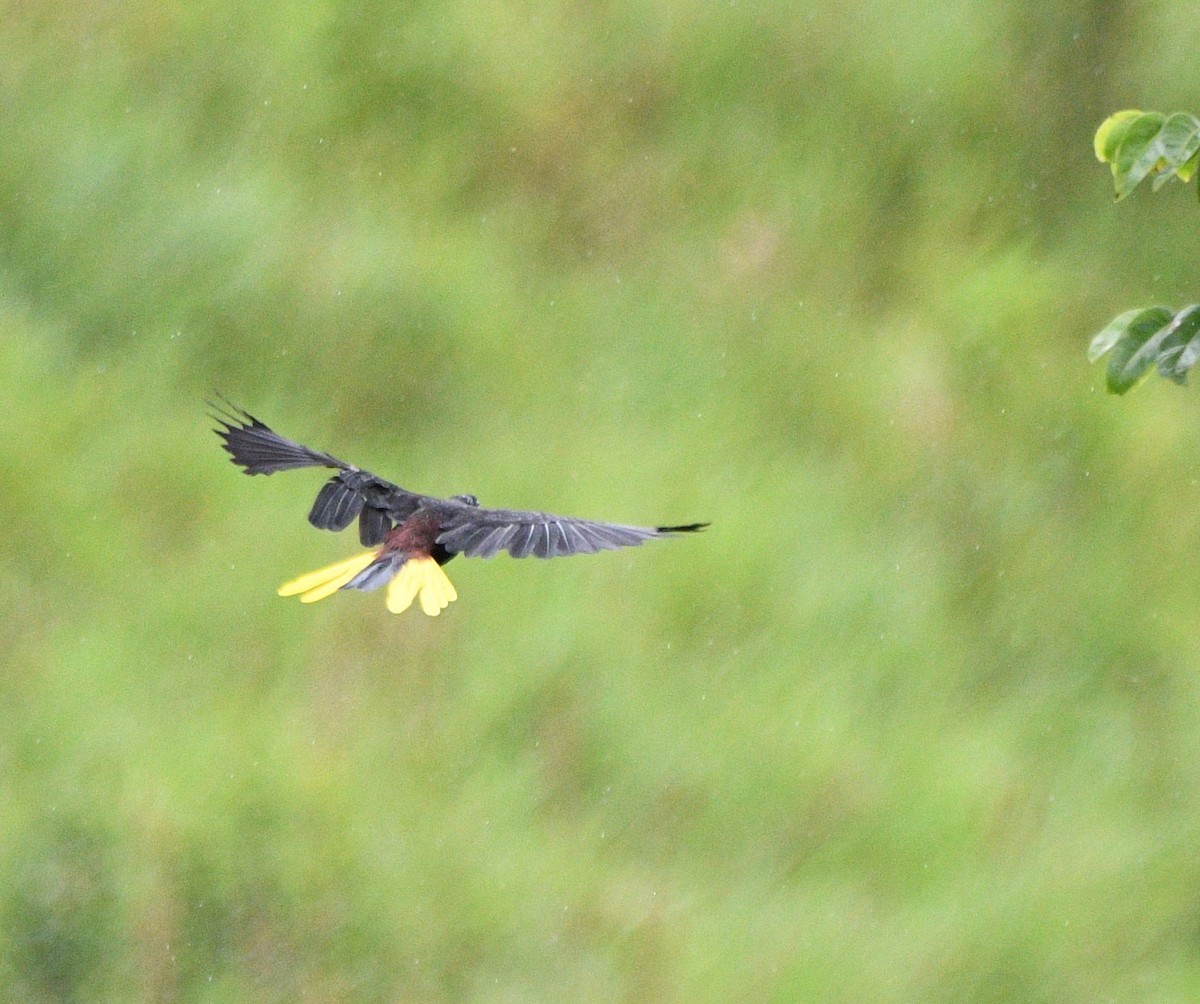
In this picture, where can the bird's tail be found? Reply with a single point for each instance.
(313, 586)
(421, 576)
(407, 579)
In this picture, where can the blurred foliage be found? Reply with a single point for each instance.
(915, 720)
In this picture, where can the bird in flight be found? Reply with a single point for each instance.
(410, 536)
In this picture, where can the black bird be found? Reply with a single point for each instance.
(411, 535)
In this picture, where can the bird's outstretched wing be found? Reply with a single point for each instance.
(482, 533)
(350, 493)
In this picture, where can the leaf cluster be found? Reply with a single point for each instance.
(1140, 145)
(1145, 338)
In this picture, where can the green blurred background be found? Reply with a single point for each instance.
(918, 719)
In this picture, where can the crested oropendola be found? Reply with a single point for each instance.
(411, 535)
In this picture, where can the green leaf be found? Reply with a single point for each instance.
(1181, 337)
(1139, 152)
(1179, 139)
(1112, 331)
(1187, 358)
(1136, 348)
(1109, 135)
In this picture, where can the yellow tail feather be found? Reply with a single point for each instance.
(313, 586)
(423, 577)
